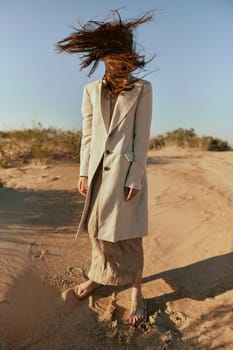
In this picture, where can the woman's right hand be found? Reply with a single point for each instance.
(82, 185)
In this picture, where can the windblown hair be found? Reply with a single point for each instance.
(110, 41)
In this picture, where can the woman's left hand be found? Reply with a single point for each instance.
(130, 193)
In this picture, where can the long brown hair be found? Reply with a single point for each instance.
(110, 41)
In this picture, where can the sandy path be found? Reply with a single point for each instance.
(188, 274)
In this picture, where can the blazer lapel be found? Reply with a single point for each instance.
(124, 103)
(104, 107)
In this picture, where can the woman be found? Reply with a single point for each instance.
(117, 112)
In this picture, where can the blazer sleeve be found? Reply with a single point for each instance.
(143, 118)
(87, 111)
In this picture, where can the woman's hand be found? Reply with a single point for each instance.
(82, 185)
(130, 193)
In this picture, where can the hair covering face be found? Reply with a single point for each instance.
(111, 42)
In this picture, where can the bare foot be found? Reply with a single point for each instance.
(85, 288)
(137, 312)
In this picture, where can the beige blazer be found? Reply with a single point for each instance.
(123, 146)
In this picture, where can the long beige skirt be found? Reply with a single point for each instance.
(118, 263)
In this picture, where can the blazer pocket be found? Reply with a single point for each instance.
(129, 155)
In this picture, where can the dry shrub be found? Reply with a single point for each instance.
(18, 147)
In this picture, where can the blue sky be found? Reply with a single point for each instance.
(192, 74)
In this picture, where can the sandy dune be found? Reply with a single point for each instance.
(188, 274)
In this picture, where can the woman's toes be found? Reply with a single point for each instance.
(137, 313)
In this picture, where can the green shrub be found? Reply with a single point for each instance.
(188, 138)
(218, 145)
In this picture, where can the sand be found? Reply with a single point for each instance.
(188, 274)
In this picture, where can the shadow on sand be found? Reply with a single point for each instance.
(27, 210)
(158, 160)
(204, 279)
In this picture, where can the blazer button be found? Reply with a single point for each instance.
(107, 168)
(108, 152)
